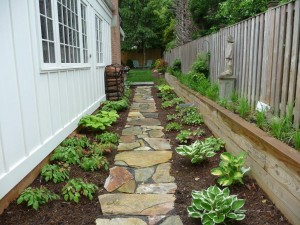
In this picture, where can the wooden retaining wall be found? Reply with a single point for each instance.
(274, 165)
(266, 57)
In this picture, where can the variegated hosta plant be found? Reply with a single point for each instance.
(231, 169)
(214, 206)
(201, 150)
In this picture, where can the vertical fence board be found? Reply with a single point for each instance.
(255, 54)
(251, 61)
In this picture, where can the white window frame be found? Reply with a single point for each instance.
(58, 65)
(101, 63)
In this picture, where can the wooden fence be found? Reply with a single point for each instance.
(266, 57)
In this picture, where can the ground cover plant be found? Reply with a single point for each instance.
(55, 172)
(108, 137)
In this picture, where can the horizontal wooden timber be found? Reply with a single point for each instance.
(274, 165)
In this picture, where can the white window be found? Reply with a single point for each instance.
(46, 17)
(84, 33)
(99, 43)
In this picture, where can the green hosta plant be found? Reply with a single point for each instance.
(108, 137)
(170, 103)
(214, 206)
(75, 188)
(54, 172)
(201, 150)
(231, 169)
(184, 136)
(69, 155)
(36, 197)
(172, 117)
(173, 126)
(192, 119)
(82, 142)
(165, 88)
(116, 105)
(95, 162)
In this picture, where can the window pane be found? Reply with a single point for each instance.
(45, 52)
(48, 8)
(67, 55)
(61, 33)
(78, 54)
(52, 53)
(59, 10)
(43, 27)
(64, 2)
(50, 30)
(42, 7)
(66, 35)
(62, 53)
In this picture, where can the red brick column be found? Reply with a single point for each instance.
(115, 34)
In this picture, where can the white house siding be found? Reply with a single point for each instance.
(39, 108)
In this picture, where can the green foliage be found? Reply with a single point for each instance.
(108, 137)
(99, 121)
(171, 103)
(173, 126)
(243, 108)
(116, 105)
(54, 172)
(129, 63)
(82, 142)
(171, 117)
(201, 65)
(75, 188)
(213, 92)
(140, 76)
(261, 119)
(95, 162)
(69, 155)
(36, 197)
(201, 150)
(184, 136)
(230, 169)
(296, 139)
(190, 115)
(214, 206)
(161, 65)
(198, 132)
(234, 96)
(176, 65)
(164, 88)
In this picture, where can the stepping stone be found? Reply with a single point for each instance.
(163, 188)
(151, 115)
(144, 148)
(136, 114)
(153, 127)
(136, 204)
(158, 143)
(172, 220)
(156, 133)
(132, 131)
(145, 122)
(143, 159)
(153, 220)
(141, 175)
(129, 187)
(117, 177)
(120, 221)
(128, 146)
(127, 139)
(162, 174)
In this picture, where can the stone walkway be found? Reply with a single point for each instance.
(142, 190)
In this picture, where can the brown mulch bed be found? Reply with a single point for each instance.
(260, 210)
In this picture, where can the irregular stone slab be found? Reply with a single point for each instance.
(172, 220)
(127, 139)
(143, 174)
(145, 122)
(128, 146)
(152, 220)
(136, 204)
(153, 127)
(162, 174)
(162, 188)
(143, 100)
(117, 177)
(143, 136)
(120, 163)
(129, 187)
(132, 131)
(140, 159)
(158, 143)
(156, 133)
(120, 221)
(144, 148)
(136, 114)
(150, 115)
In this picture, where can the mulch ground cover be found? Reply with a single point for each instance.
(260, 210)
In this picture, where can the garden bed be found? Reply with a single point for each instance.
(274, 165)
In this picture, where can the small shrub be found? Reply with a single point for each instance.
(214, 206)
(73, 190)
(171, 103)
(108, 137)
(69, 155)
(261, 119)
(54, 172)
(36, 197)
(172, 117)
(243, 108)
(184, 136)
(176, 65)
(82, 142)
(198, 132)
(234, 96)
(192, 118)
(296, 139)
(115, 105)
(201, 65)
(230, 169)
(213, 92)
(164, 88)
(161, 65)
(173, 127)
(95, 162)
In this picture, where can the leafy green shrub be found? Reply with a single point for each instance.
(261, 119)
(234, 96)
(173, 126)
(171, 103)
(99, 121)
(73, 190)
(161, 65)
(213, 92)
(184, 136)
(115, 105)
(164, 88)
(54, 172)
(243, 108)
(296, 139)
(108, 137)
(230, 169)
(36, 197)
(200, 150)
(190, 116)
(198, 132)
(95, 162)
(201, 65)
(69, 155)
(214, 206)
(172, 117)
(176, 65)
(82, 142)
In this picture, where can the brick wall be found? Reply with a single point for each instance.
(115, 34)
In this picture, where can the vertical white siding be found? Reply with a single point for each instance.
(40, 108)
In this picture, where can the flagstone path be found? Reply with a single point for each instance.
(140, 185)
